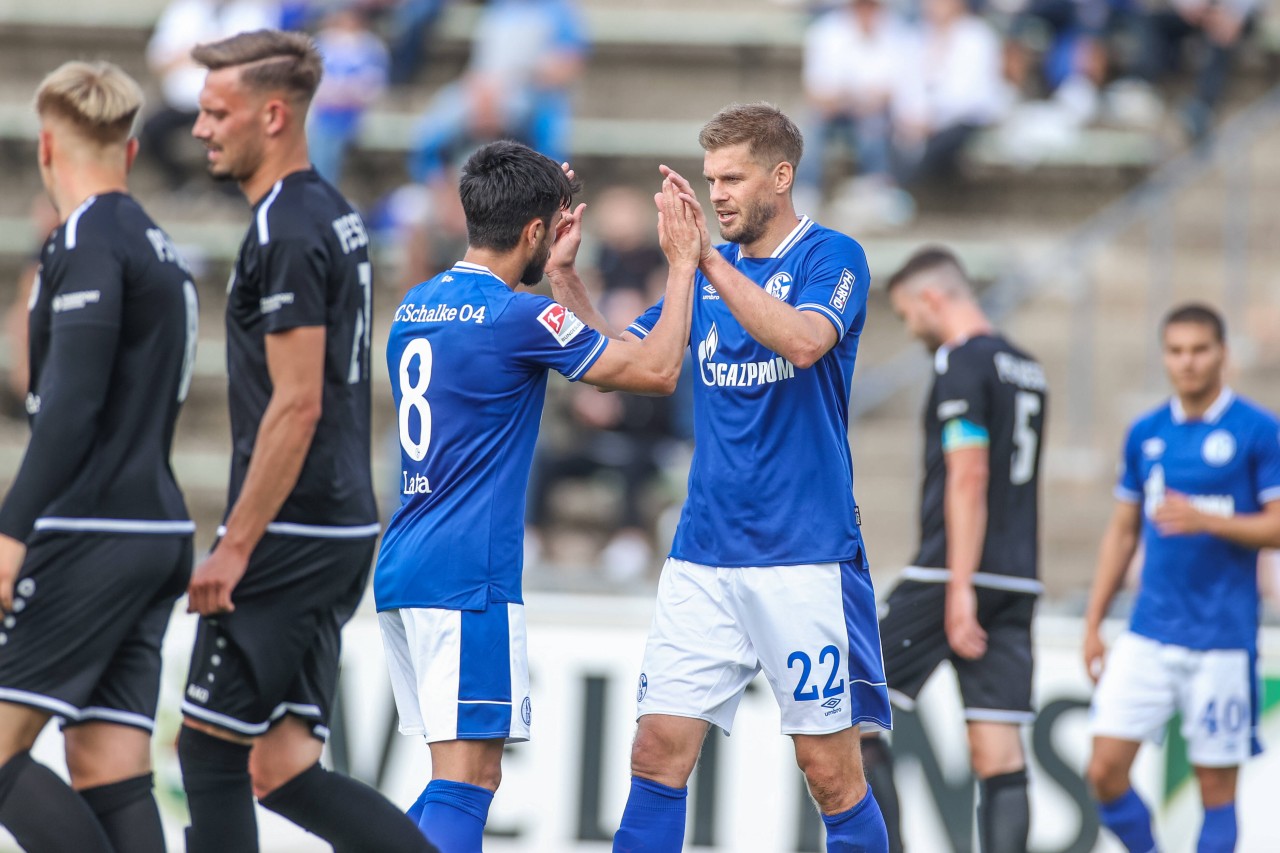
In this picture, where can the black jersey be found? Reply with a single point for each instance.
(113, 325)
(305, 262)
(987, 391)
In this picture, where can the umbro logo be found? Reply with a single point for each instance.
(832, 703)
(709, 292)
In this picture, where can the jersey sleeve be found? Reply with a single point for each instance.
(834, 283)
(1267, 465)
(643, 325)
(1128, 484)
(963, 403)
(293, 284)
(73, 384)
(543, 333)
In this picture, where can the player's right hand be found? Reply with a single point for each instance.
(213, 581)
(685, 191)
(1095, 652)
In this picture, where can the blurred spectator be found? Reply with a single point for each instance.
(355, 75)
(1219, 28)
(855, 58)
(426, 223)
(44, 218)
(1073, 65)
(166, 136)
(413, 24)
(525, 57)
(628, 435)
(961, 89)
(628, 257)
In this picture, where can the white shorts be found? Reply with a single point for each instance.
(1144, 682)
(459, 674)
(812, 629)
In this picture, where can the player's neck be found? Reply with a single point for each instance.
(779, 229)
(507, 266)
(275, 167)
(966, 321)
(1195, 406)
(73, 189)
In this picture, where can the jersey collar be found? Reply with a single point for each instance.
(467, 266)
(797, 233)
(1211, 414)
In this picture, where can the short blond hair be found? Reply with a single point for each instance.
(770, 136)
(268, 60)
(98, 99)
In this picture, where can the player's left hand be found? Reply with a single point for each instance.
(966, 636)
(12, 553)
(1176, 516)
(685, 191)
(564, 251)
(213, 581)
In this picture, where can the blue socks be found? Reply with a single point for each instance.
(1129, 819)
(1218, 834)
(653, 821)
(452, 815)
(859, 830)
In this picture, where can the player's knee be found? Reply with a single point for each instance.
(661, 758)
(833, 780)
(269, 769)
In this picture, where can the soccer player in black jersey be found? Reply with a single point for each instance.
(294, 553)
(95, 540)
(970, 594)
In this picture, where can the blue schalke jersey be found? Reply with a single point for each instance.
(771, 482)
(468, 359)
(1201, 591)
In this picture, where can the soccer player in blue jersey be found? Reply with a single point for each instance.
(767, 570)
(468, 356)
(1199, 489)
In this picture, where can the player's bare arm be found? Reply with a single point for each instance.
(295, 361)
(1119, 544)
(12, 553)
(965, 511)
(652, 366)
(566, 286)
(801, 337)
(1178, 516)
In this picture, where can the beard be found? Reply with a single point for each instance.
(532, 273)
(753, 222)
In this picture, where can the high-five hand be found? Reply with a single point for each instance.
(686, 192)
(678, 231)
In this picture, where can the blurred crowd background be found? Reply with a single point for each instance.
(1090, 160)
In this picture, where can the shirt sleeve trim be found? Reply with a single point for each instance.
(826, 312)
(586, 363)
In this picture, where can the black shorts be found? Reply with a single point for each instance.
(994, 688)
(89, 615)
(277, 652)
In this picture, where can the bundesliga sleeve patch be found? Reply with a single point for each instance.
(840, 297)
(562, 323)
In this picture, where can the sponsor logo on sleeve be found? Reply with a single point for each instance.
(952, 409)
(562, 323)
(274, 302)
(75, 301)
(840, 297)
